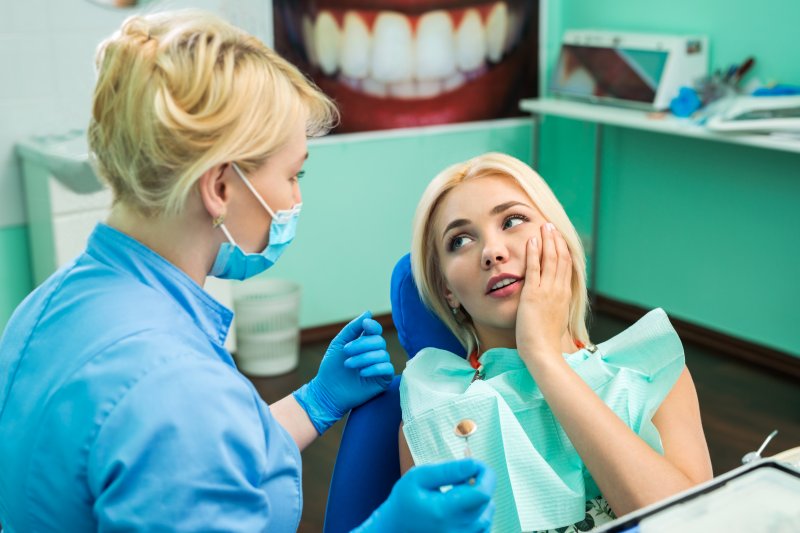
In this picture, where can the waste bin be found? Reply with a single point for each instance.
(267, 326)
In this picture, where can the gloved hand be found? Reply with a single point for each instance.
(417, 504)
(355, 368)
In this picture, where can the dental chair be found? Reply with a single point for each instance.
(368, 465)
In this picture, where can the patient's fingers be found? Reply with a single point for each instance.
(564, 269)
(549, 254)
(532, 268)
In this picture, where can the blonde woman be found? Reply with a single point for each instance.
(576, 433)
(119, 407)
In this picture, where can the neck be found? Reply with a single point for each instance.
(175, 238)
(507, 338)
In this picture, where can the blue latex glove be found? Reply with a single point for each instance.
(355, 368)
(417, 504)
(686, 103)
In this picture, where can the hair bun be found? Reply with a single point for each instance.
(136, 29)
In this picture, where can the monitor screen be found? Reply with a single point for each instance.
(604, 72)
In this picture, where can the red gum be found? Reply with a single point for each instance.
(369, 16)
(406, 6)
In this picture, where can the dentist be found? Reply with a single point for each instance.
(119, 407)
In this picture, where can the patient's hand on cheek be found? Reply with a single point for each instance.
(543, 312)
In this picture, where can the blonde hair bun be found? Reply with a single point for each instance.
(180, 92)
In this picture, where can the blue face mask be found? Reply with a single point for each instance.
(234, 263)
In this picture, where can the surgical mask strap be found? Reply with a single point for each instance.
(253, 190)
(227, 233)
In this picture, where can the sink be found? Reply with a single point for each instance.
(66, 157)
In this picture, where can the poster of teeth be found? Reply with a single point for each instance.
(407, 63)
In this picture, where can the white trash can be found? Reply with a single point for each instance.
(267, 326)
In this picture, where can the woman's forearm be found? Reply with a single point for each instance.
(294, 420)
(627, 471)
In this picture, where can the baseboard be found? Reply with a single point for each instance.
(750, 352)
(329, 331)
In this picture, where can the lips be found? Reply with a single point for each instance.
(404, 63)
(501, 282)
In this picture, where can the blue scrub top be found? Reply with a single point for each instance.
(121, 409)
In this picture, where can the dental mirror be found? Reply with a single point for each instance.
(464, 429)
(754, 456)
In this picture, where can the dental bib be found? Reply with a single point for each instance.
(542, 483)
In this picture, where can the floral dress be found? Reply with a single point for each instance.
(598, 512)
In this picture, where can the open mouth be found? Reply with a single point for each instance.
(500, 285)
(399, 63)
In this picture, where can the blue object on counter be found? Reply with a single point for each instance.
(777, 90)
(686, 103)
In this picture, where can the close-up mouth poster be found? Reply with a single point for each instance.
(406, 63)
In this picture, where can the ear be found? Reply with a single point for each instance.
(450, 298)
(214, 189)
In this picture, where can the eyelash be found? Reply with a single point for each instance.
(298, 176)
(451, 242)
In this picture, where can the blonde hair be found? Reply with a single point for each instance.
(425, 265)
(181, 92)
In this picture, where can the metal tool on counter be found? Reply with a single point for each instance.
(755, 456)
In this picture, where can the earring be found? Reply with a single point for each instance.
(454, 310)
(218, 220)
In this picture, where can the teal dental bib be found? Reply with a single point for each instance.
(541, 481)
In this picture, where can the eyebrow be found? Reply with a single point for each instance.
(496, 210)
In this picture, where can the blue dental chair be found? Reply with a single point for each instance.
(367, 465)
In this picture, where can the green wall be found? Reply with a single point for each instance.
(359, 196)
(15, 270)
(707, 230)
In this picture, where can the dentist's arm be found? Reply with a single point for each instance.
(355, 368)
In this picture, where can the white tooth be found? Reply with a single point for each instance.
(327, 40)
(512, 23)
(375, 88)
(428, 89)
(470, 42)
(392, 48)
(308, 40)
(516, 23)
(496, 31)
(354, 55)
(435, 50)
(403, 89)
(454, 82)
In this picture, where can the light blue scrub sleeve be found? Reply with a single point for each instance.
(184, 450)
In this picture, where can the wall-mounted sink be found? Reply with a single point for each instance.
(66, 157)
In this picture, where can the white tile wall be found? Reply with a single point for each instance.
(47, 73)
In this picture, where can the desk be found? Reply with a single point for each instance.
(603, 115)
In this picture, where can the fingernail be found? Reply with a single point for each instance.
(535, 242)
(550, 226)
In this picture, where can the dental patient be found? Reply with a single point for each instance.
(577, 433)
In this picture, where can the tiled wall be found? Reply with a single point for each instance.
(47, 72)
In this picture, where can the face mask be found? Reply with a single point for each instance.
(234, 263)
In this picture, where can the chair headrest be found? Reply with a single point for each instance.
(417, 327)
